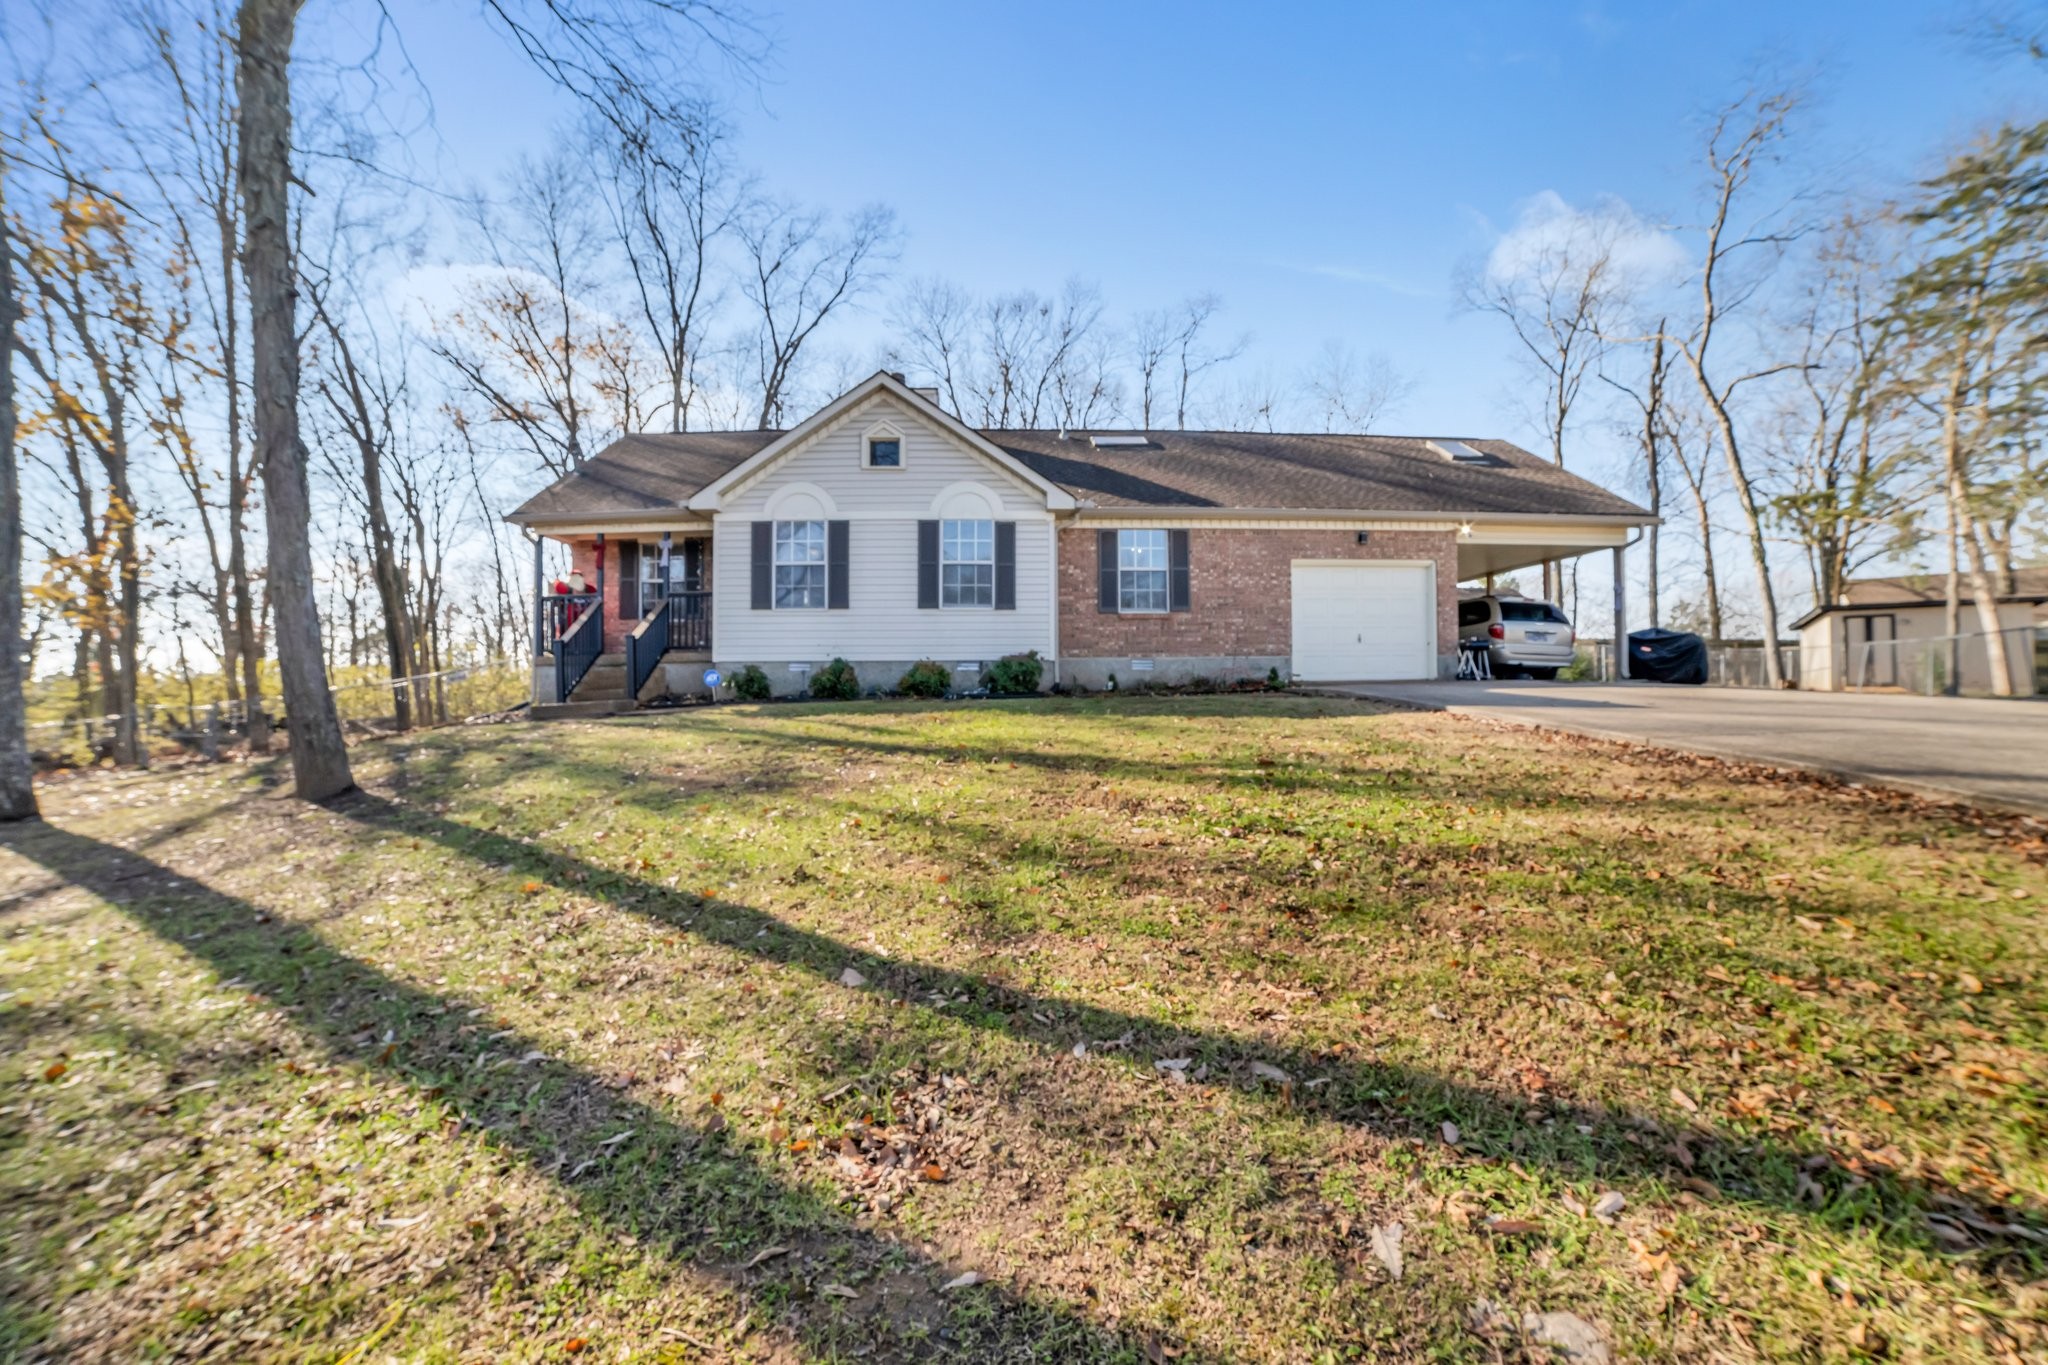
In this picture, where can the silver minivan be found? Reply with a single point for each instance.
(1521, 635)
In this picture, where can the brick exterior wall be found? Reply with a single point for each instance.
(583, 555)
(1240, 592)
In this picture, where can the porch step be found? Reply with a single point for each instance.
(576, 710)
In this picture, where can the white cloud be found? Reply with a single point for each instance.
(1549, 232)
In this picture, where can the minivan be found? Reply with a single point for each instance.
(1521, 635)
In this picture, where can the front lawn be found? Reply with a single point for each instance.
(1120, 1029)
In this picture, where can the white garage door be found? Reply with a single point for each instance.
(1361, 622)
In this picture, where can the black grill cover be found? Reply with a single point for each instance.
(1670, 656)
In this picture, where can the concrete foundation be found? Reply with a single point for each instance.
(1093, 674)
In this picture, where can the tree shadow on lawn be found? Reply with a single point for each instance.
(669, 1183)
(1844, 1191)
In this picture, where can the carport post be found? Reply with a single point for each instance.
(1620, 612)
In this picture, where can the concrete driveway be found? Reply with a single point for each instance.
(1993, 753)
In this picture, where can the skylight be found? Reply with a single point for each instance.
(1459, 452)
(1101, 441)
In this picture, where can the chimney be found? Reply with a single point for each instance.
(929, 395)
(896, 375)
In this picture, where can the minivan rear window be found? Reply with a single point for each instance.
(1472, 613)
(1532, 611)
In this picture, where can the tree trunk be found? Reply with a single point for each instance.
(1981, 585)
(248, 645)
(17, 785)
(263, 42)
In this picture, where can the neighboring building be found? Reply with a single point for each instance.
(1892, 632)
(884, 530)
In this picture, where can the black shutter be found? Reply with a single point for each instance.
(837, 593)
(629, 580)
(1105, 571)
(927, 565)
(1006, 566)
(1177, 575)
(764, 565)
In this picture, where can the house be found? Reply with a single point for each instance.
(884, 530)
(1893, 632)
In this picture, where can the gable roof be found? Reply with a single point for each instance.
(1923, 590)
(1176, 471)
(884, 382)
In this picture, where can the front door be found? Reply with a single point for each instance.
(1873, 652)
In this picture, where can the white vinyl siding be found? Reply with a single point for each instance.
(882, 620)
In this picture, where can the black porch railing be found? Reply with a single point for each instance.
(689, 621)
(576, 625)
(646, 645)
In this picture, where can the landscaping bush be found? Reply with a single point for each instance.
(836, 681)
(751, 684)
(926, 678)
(1015, 672)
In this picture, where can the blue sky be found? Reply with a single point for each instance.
(1324, 168)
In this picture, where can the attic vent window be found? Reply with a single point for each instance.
(1459, 453)
(1102, 442)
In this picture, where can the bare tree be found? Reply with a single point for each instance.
(263, 46)
(1171, 351)
(670, 197)
(1348, 393)
(1560, 298)
(800, 271)
(1743, 138)
(1834, 443)
(17, 779)
(193, 170)
(546, 364)
(1688, 436)
(1651, 432)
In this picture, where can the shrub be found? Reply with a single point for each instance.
(751, 684)
(1579, 669)
(1015, 672)
(836, 681)
(926, 678)
(1273, 679)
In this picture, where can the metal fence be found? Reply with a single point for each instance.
(1937, 664)
(212, 729)
(1727, 665)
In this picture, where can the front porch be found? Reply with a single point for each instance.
(629, 622)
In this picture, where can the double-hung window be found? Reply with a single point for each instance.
(799, 564)
(967, 564)
(1141, 571)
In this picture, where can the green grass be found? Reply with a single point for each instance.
(737, 1033)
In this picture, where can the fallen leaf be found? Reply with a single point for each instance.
(1572, 1335)
(967, 1281)
(1512, 1227)
(765, 1254)
(1970, 984)
(531, 888)
(1267, 1072)
(838, 1291)
(934, 1172)
(1684, 1101)
(852, 978)
(1608, 1205)
(54, 1070)
(1386, 1244)
(1450, 1132)
(574, 1345)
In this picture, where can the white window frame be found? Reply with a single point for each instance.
(1125, 572)
(883, 431)
(953, 561)
(779, 561)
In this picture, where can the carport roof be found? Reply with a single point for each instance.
(1218, 471)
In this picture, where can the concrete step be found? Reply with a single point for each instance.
(578, 710)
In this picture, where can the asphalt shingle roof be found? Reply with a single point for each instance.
(1223, 470)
